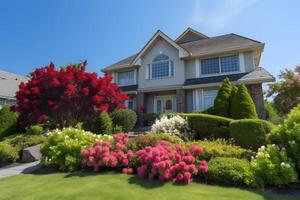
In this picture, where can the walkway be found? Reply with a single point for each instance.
(23, 168)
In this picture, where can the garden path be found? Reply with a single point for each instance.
(23, 168)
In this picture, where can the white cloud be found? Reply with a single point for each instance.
(219, 14)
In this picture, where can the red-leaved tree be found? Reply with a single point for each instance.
(66, 96)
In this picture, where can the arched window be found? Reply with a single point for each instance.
(161, 67)
(161, 57)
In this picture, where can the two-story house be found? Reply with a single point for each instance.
(184, 75)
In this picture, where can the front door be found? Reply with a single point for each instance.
(164, 104)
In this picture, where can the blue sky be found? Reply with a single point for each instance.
(35, 32)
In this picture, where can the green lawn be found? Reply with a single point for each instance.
(108, 186)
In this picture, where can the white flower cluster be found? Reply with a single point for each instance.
(173, 126)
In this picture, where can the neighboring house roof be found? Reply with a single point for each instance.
(190, 35)
(220, 44)
(203, 46)
(259, 74)
(9, 84)
(129, 88)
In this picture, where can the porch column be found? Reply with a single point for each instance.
(140, 103)
(180, 100)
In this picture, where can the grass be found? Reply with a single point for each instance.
(78, 186)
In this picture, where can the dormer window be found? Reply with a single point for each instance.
(161, 67)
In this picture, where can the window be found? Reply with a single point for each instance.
(229, 63)
(161, 67)
(210, 66)
(220, 65)
(130, 104)
(204, 99)
(126, 78)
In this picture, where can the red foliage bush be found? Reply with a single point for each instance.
(66, 96)
(165, 161)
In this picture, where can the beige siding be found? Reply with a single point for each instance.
(190, 69)
(249, 61)
(161, 46)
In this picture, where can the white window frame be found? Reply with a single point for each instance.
(133, 80)
(163, 77)
(198, 98)
(241, 66)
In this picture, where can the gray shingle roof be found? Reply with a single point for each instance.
(129, 88)
(204, 46)
(219, 44)
(259, 74)
(122, 63)
(9, 84)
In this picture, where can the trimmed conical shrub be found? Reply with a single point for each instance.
(104, 124)
(222, 100)
(242, 105)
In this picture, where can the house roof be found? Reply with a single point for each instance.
(257, 75)
(190, 35)
(220, 44)
(203, 46)
(129, 88)
(121, 64)
(160, 34)
(9, 84)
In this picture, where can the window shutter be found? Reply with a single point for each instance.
(147, 71)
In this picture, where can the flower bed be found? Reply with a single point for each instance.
(164, 160)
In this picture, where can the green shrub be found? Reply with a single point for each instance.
(222, 100)
(8, 153)
(104, 124)
(62, 148)
(209, 111)
(271, 166)
(250, 133)
(221, 148)
(21, 141)
(8, 122)
(288, 135)
(242, 104)
(11, 146)
(271, 113)
(149, 118)
(35, 130)
(229, 171)
(125, 119)
(207, 126)
(149, 139)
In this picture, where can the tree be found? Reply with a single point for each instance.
(66, 96)
(242, 104)
(222, 100)
(286, 92)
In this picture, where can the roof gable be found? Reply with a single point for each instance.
(190, 35)
(158, 35)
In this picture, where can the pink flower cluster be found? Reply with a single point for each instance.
(168, 163)
(165, 161)
(106, 154)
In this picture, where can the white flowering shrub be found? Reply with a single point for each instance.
(62, 148)
(174, 125)
(271, 166)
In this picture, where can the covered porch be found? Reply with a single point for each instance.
(162, 101)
